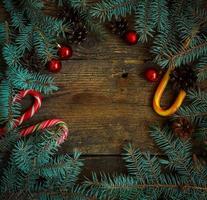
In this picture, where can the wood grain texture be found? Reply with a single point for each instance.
(100, 106)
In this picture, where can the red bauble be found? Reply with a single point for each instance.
(131, 37)
(151, 74)
(54, 65)
(65, 52)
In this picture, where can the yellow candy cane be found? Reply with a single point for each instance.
(159, 92)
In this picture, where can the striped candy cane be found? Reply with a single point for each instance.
(31, 111)
(47, 124)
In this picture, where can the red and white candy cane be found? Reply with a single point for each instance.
(47, 124)
(31, 111)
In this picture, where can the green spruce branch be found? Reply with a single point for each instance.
(105, 10)
(149, 176)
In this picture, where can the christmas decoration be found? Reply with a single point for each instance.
(151, 74)
(178, 156)
(158, 95)
(30, 112)
(131, 37)
(119, 26)
(48, 124)
(78, 31)
(78, 34)
(54, 65)
(173, 31)
(182, 128)
(65, 52)
(32, 61)
(183, 78)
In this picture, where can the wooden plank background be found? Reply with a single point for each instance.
(104, 111)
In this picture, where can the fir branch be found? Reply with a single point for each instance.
(9, 110)
(11, 55)
(188, 28)
(162, 41)
(23, 79)
(201, 130)
(8, 141)
(160, 14)
(8, 5)
(23, 155)
(179, 7)
(67, 194)
(134, 161)
(24, 39)
(3, 32)
(45, 49)
(178, 151)
(18, 20)
(144, 23)
(77, 4)
(55, 27)
(33, 9)
(198, 107)
(202, 69)
(179, 56)
(106, 9)
(126, 187)
(145, 186)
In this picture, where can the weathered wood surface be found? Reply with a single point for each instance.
(103, 110)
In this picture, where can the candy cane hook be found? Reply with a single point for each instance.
(30, 112)
(159, 92)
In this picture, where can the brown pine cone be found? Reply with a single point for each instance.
(78, 31)
(183, 77)
(32, 61)
(119, 26)
(78, 34)
(182, 128)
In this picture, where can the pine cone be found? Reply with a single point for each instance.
(78, 34)
(182, 128)
(183, 78)
(32, 61)
(119, 26)
(78, 31)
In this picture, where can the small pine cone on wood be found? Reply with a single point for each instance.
(182, 128)
(119, 26)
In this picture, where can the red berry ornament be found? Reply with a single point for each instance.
(151, 74)
(54, 65)
(65, 52)
(131, 37)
